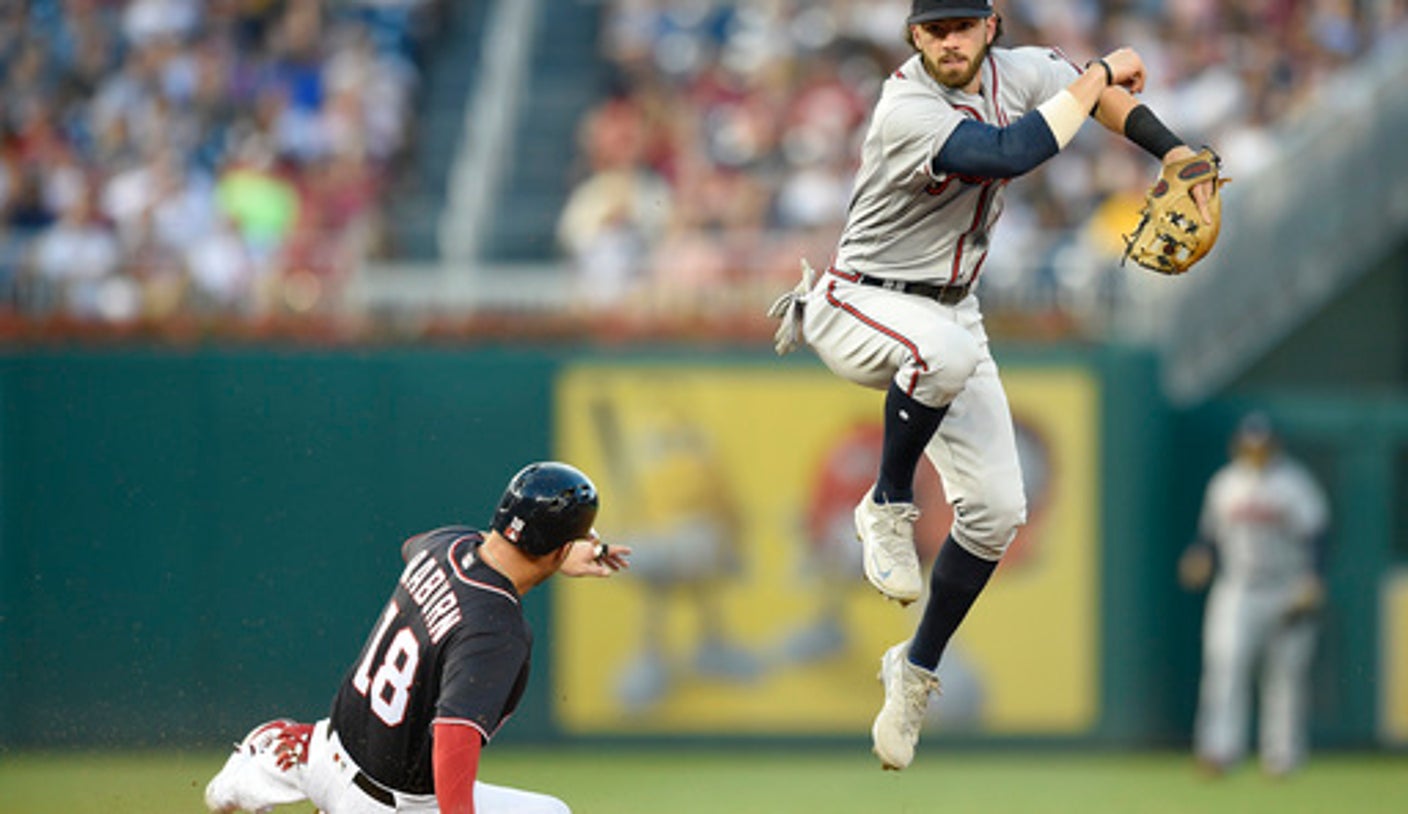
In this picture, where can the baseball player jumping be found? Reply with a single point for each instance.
(895, 310)
(445, 665)
(1262, 531)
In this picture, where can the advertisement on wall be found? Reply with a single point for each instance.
(745, 610)
(1393, 658)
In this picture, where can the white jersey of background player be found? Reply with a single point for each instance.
(895, 310)
(1262, 523)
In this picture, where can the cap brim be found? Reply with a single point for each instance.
(948, 14)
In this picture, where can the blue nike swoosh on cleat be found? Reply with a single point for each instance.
(885, 574)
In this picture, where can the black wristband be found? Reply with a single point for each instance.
(1144, 128)
(1109, 74)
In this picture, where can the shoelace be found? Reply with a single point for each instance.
(900, 519)
(916, 697)
(291, 748)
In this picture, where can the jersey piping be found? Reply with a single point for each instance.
(463, 577)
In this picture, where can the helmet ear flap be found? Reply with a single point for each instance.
(546, 506)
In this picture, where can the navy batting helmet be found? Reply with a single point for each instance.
(546, 506)
(923, 11)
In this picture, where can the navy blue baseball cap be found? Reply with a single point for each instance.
(924, 11)
(1255, 428)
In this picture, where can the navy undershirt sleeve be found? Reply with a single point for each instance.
(986, 151)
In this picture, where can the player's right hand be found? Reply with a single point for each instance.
(1309, 597)
(1203, 192)
(1127, 67)
(593, 558)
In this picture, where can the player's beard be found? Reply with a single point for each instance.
(953, 76)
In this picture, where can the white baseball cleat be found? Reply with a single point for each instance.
(886, 532)
(262, 771)
(907, 687)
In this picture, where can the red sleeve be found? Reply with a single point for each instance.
(456, 760)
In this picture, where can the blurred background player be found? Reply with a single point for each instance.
(444, 667)
(1262, 532)
(896, 310)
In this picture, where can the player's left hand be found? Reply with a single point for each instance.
(1309, 598)
(1202, 193)
(1182, 213)
(1195, 567)
(593, 558)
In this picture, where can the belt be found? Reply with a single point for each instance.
(944, 294)
(373, 790)
(369, 787)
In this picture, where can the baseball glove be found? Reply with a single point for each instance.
(1171, 235)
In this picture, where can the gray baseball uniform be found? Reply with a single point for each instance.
(908, 224)
(905, 223)
(1263, 523)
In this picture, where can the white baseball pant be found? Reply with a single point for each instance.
(1246, 626)
(256, 783)
(939, 355)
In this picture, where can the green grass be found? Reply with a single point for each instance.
(698, 781)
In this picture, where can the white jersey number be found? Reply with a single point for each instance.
(390, 688)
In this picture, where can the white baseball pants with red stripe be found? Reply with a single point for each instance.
(939, 355)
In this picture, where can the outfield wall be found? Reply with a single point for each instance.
(194, 541)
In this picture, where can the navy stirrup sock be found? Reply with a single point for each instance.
(957, 579)
(908, 427)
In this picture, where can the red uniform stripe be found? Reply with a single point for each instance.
(887, 331)
(1062, 54)
(996, 104)
(459, 572)
(984, 198)
(971, 111)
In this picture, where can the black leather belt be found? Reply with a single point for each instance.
(370, 787)
(944, 294)
(374, 791)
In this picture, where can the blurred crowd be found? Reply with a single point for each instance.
(207, 157)
(232, 157)
(726, 146)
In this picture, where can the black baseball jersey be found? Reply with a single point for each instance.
(452, 644)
